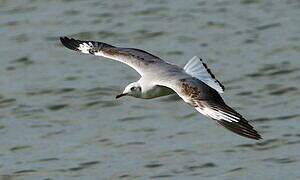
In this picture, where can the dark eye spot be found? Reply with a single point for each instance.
(132, 88)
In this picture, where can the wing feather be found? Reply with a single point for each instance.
(208, 102)
(135, 58)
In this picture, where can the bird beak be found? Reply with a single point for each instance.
(120, 95)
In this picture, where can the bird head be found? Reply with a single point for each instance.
(133, 89)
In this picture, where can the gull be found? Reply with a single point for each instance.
(194, 83)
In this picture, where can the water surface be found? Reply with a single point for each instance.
(59, 118)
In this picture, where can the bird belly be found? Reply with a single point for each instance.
(157, 91)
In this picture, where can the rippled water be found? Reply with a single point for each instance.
(59, 118)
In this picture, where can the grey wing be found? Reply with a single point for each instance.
(135, 58)
(208, 102)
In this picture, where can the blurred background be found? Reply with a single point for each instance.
(59, 118)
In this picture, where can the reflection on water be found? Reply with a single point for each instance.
(59, 117)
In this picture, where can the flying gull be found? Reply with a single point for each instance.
(194, 83)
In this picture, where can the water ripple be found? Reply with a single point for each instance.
(280, 160)
(196, 167)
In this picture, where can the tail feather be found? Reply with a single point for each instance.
(198, 69)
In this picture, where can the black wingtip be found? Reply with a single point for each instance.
(70, 43)
(242, 128)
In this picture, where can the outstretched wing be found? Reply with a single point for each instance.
(209, 103)
(135, 58)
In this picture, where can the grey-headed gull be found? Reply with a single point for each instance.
(194, 83)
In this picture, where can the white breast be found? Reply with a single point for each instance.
(156, 91)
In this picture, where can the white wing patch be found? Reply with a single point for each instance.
(84, 47)
(198, 69)
(217, 114)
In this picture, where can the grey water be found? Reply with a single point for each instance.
(59, 118)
